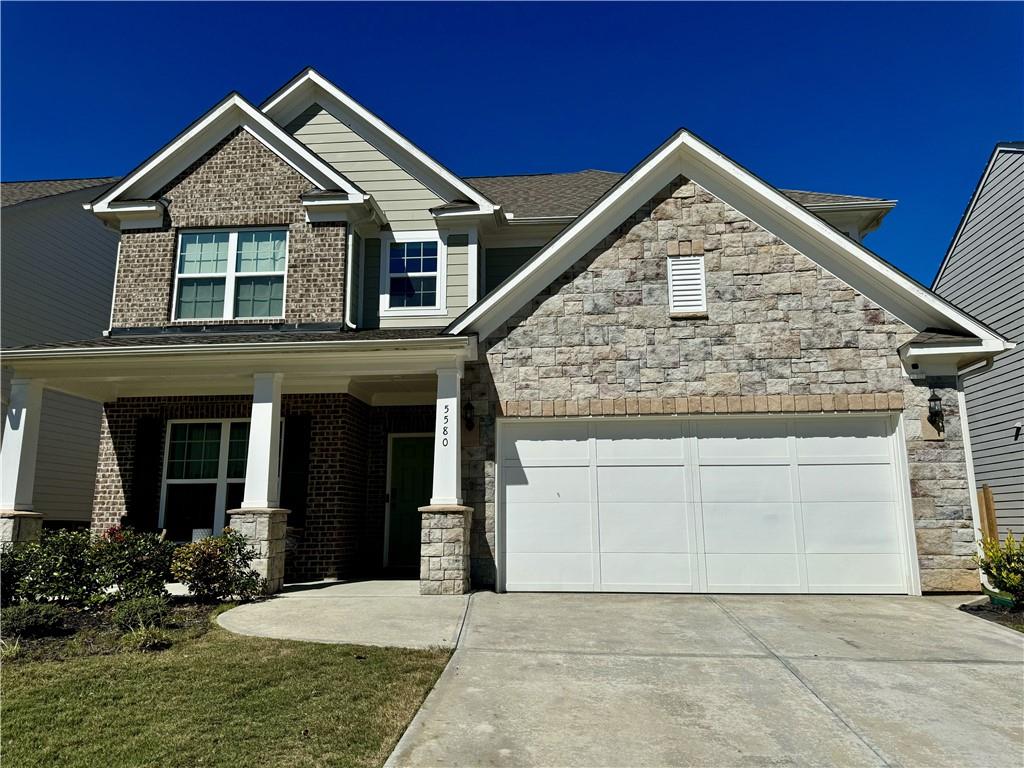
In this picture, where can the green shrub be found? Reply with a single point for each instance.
(136, 564)
(136, 612)
(1004, 566)
(146, 640)
(33, 620)
(217, 568)
(60, 567)
(12, 573)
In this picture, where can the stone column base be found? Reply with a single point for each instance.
(17, 526)
(444, 549)
(265, 531)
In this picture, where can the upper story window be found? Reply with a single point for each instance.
(228, 275)
(413, 274)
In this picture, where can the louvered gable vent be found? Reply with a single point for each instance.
(686, 292)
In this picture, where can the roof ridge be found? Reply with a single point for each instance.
(50, 181)
(543, 173)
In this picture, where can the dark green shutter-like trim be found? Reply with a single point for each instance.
(458, 241)
(295, 467)
(143, 507)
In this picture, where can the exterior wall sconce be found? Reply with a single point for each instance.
(935, 412)
(469, 416)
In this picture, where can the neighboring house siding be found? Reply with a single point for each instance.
(404, 200)
(781, 335)
(238, 183)
(984, 276)
(58, 272)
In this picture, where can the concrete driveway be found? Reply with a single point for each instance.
(644, 680)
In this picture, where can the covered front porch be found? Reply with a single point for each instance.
(335, 457)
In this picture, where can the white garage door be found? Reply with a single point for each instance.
(694, 505)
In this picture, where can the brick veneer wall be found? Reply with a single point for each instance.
(336, 487)
(781, 335)
(238, 183)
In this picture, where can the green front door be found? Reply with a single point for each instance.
(412, 467)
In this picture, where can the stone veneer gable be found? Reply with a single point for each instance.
(781, 335)
(238, 183)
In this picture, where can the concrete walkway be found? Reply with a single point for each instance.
(646, 680)
(390, 613)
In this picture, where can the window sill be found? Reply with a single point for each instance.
(688, 315)
(230, 320)
(413, 312)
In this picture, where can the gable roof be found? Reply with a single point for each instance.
(1000, 148)
(562, 195)
(685, 154)
(14, 192)
(310, 87)
(232, 112)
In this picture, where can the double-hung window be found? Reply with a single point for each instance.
(413, 275)
(204, 475)
(230, 275)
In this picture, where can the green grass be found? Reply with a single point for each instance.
(215, 700)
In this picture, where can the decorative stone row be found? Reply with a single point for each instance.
(840, 403)
(444, 549)
(265, 531)
(18, 527)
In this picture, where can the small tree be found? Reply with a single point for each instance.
(1004, 566)
(218, 568)
(137, 564)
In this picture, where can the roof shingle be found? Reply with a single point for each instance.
(14, 192)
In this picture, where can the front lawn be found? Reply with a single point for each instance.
(215, 699)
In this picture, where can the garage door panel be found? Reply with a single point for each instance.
(880, 573)
(644, 484)
(545, 441)
(753, 573)
(550, 527)
(843, 438)
(550, 571)
(744, 527)
(847, 482)
(551, 484)
(851, 527)
(639, 441)
(659, 572)
(739, 439)
(644, 528)
(746, 483)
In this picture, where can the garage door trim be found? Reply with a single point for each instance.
(689, 424)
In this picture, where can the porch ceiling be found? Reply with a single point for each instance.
(399, 369)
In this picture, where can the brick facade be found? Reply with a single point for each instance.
(335, 497)
(780, 335)
(238, 183)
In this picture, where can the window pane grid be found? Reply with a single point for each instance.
(412, 270)
(203, 253)
(260, 251)
(200, 298)
(194, 451)
(259, 296)
(238, 450)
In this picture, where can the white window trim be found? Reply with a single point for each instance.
(414, 236)
(230, 275)
(222, 481)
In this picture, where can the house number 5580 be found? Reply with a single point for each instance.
(444, 425)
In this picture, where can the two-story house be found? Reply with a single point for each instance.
(675, 379)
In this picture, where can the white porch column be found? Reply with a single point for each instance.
(447, 488)
(18, 522)
(262, 489)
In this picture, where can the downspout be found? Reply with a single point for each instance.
(349, 256)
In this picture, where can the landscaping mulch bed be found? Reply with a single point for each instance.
(1008, 617)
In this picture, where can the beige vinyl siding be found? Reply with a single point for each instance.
(984, 276)
(404, 199)
(58, 265)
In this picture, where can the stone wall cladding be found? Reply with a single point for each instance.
(780, 335)
(238, 183)
(336, 487)
(444, 550)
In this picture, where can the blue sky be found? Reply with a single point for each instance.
(888, 100)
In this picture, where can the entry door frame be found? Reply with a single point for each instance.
(387, 487)
(899, 465)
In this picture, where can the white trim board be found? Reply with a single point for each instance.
(310, 87)
(685, 154)
(230, 113)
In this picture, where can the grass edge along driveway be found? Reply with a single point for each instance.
(218, 700)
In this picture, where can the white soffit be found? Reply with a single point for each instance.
(232, 112)
(310, 87)
(685, 154)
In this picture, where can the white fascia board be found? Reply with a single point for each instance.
(231, 113)
(687, 155)
(969, 211)
(296, 96)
